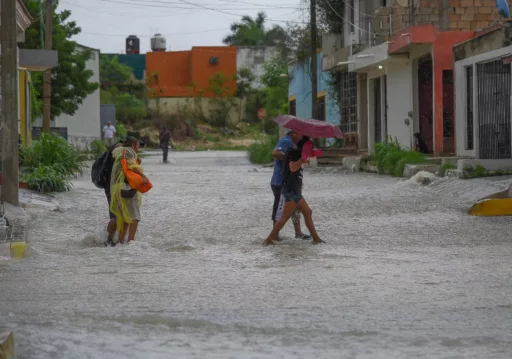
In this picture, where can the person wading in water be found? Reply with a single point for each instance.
(292, 192)
(125, 201)
(276, 183)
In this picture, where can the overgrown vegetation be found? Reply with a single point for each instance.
(391, 158)
(480, 171)
(261, 152)
(444, 168)
(50, 162)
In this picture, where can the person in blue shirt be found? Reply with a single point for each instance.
(283, 146)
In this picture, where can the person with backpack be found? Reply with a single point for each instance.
(101, 174)
(126, 194)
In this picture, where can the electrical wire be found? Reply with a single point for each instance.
(174, 34)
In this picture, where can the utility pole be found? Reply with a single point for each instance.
(47, 76)
(10, 166)
(314, 64)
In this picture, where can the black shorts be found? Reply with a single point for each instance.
(109, 198)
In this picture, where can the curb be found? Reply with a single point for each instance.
(7, 345)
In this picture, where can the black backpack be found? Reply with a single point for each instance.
(102, 169)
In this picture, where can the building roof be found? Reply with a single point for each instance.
(88, 48)
(23, 17)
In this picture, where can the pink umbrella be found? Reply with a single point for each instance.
(309, 127)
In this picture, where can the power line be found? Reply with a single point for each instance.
(174, 34)
(166, 5)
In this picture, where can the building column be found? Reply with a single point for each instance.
(369, 112)
(437, 96)
(362, 111)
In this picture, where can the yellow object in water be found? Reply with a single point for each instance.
(18, 250)
(492, 207)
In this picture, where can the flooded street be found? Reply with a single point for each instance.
(405, 272)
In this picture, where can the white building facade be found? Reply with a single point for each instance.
(84, 126)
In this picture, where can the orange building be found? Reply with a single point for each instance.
(189, 73)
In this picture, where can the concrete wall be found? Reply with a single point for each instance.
(400, 95)
(253, 58)
(193, 107)
(460, 100)
(84, 125)
(300, 89)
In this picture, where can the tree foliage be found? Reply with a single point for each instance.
(252, 32)
(70, 79)
(129, 108)
(113, 72)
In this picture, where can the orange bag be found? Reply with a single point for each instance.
(135, 180)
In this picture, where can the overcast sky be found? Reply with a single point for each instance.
(185, 23)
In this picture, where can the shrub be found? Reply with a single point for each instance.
(445, 167)
(52, 150)
(46, 179)
(120, 131)
(261, 152)
(97, 148)
(391, 158)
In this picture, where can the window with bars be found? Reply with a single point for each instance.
(348, 105)
(352, 15)
(292, 107)
(469, 108)
(321, 108)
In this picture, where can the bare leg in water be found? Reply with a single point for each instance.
(131, 229)
(308, 218)
(288, 209)
(111, 229)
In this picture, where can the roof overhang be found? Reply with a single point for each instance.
(375, 58)
(38, 60)
(411, 37)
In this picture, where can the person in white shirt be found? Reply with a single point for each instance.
(110, 134)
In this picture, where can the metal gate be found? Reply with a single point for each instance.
(493, 98)
(377, 106)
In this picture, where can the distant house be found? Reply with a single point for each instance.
(175, 77)
(299, 93)
(84, 126)
(254, 58)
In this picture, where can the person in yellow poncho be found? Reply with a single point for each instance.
(126, 201)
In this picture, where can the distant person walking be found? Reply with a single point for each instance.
(110, 134)
(165, 141)
(284, 145)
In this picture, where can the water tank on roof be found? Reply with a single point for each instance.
(158, 43)
(132, 45)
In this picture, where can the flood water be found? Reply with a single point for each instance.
(405, 272)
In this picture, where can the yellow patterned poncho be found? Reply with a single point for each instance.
(119, 205)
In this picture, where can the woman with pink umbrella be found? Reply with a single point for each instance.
(292, 192)
(292, 171)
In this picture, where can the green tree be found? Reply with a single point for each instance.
(112, 72)
(252, 32)
(129, 108)
(70, 79)
(275, 93)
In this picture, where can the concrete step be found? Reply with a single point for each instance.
(330, 164)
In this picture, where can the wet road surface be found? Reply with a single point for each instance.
(405, 273)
